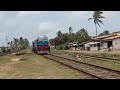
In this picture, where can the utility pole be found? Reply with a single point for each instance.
(7, 42)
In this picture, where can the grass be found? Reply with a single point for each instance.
(93, 53)
(109, 64)
(32, 66)
(5, 59)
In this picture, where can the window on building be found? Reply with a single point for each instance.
(102, 44)
(94, 45)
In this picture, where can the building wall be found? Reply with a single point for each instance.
(104, 45)
(72, 48)
(86, 45)
(118, 33)
(116, 43)
(93, 48)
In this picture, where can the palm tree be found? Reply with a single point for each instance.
(59, 33)
(96, 16)
(70, 30)
(71, 34)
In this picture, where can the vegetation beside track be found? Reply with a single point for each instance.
(107, 63)
(111, 54)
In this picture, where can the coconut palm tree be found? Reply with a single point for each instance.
(70, 30)
(96, 16)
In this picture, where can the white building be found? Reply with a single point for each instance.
(105, 42)
(92, 46)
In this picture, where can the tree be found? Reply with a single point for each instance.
(55, 40)
(71, 35)
(96, 16)
(59, 39)
(8, 44)
(106, 32)
(82, 36)
(52, 42)
(16, 43)
(65, 38)
(27, 45)
(59, 33)
(3, 49)
(70, 30)
(19, 44)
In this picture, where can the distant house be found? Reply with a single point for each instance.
(77, 46)
(73, 45)
(108, 42)
(0, 49)
(92, 46)
(105, 42)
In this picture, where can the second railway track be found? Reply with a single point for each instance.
(93, 70)
(101, 58)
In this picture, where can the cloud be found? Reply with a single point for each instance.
(2, 14)
(79, 15)
(1, 33)
(31, 24)
(111, 14)
(30, 13)
(10, 23)
(47, 27)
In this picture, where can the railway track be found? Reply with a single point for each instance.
(101, 58)
(89, 69)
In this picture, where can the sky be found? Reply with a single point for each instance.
(32, 24)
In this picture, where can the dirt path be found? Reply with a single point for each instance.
(37, 61)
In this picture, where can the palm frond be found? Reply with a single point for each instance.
(90, 18)
(101, 17)
(95, 21)
(100, 12)
(100, 21)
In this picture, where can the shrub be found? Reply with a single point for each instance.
(63, 47)
(60, 47)
(66, 47)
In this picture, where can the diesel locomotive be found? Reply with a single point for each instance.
(41, 45)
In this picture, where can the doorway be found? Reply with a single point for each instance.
(98, 45)
(109, 44)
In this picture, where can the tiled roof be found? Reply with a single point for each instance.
(117, 31)
(101, 37)
(114, 35)
(111, 38)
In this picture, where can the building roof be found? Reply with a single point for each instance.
(102, 37)
(117, 31)
(111, 38)
(107, 37)
(92, 42)
(82, 43)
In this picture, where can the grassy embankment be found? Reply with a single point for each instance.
(32, 66)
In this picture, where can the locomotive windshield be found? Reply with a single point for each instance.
(42, 43)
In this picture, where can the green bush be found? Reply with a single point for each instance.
(66, 47)
(60, 47)
(63, 47)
